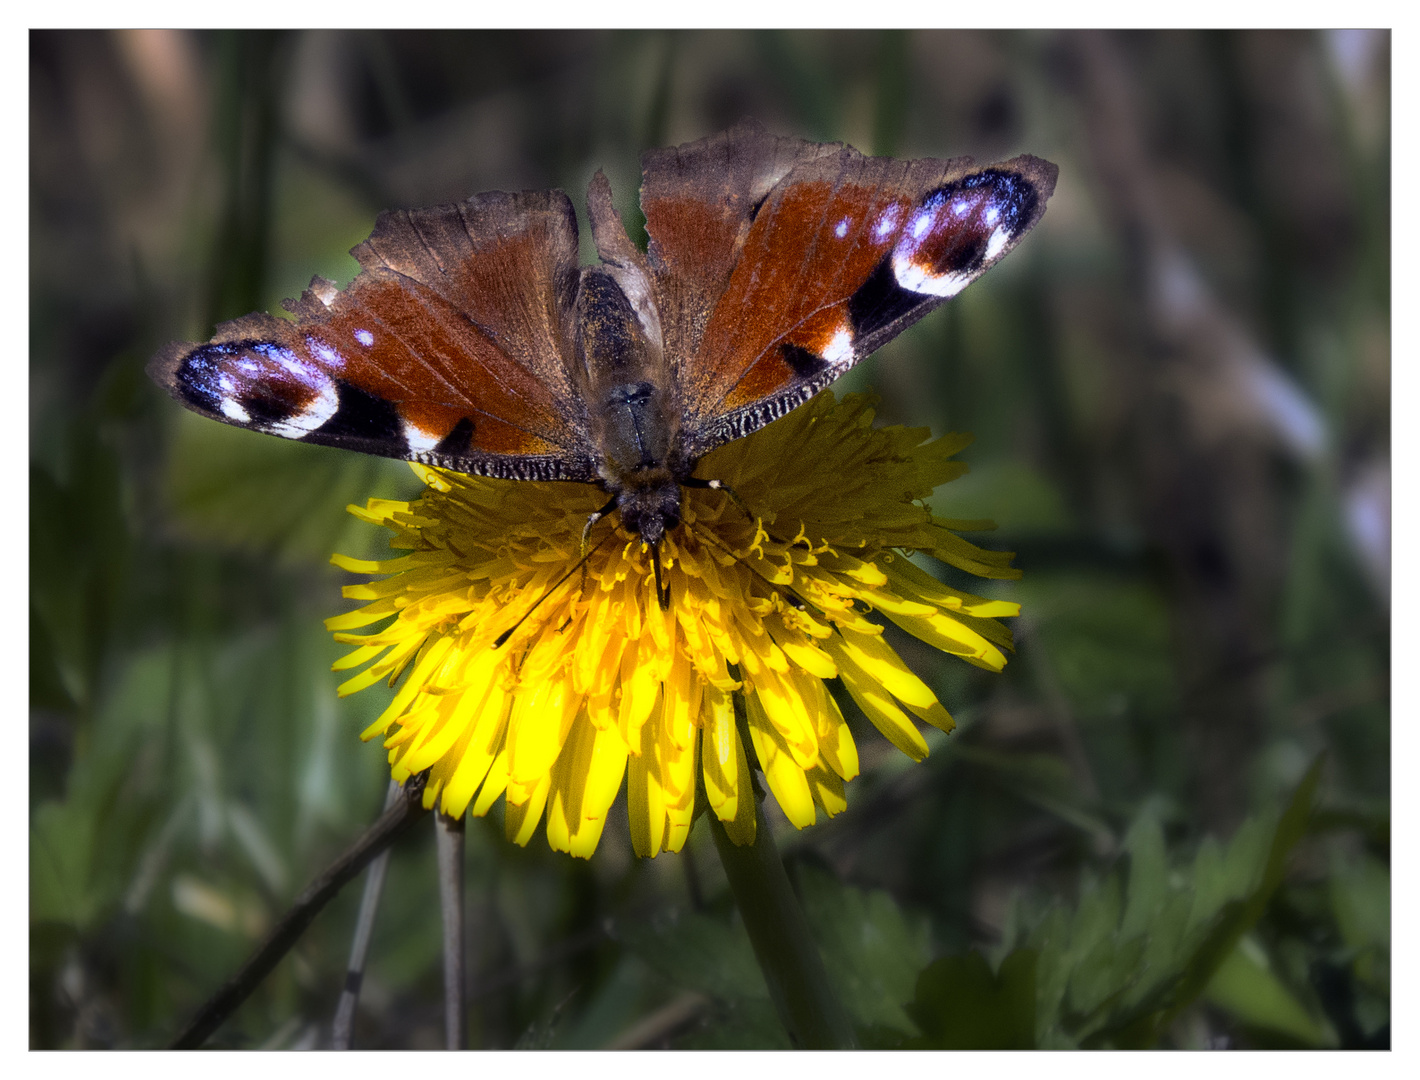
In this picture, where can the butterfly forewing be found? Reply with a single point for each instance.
(430, 354)
(699, 200)
(844, 254)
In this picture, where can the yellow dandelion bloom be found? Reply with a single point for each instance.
(527, 676)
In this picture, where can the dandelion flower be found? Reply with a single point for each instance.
(527, 676)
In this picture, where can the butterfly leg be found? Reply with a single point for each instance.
(587, 529)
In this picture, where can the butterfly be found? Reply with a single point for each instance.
(472, 339)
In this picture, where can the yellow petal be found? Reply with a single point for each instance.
(643, 803)
(879, 707)
(877, 659)
(494, 784)
(785, 777)
(521, 821)
(783, 706)
(722, 757)
(476, 757)
(827, 790)
(603, 781)
(835, 742)
(542, 716)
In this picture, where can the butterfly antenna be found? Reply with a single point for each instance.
(718, 485)
(502, 639)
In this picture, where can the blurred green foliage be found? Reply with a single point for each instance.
(1180, 391)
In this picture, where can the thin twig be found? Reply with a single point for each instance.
(450, 843)
(341, 1029)
(307, 906)
(652, 1030)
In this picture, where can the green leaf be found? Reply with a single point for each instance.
(1245, 986)
(1237, 916)
(871, 949)
(1360, 896)
(705, 954)
(1042, 780)
(698, 952)
(61, 856)
(962, 1005)
(1125, 962)
(1148, 874)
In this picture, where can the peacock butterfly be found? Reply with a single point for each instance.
(472, 339)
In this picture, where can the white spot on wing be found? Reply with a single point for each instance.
(416, 438)
(840, 348)
(914, 278)
(365, 338)
(324, 352)
(841, 229)
(232, 410)
(999, 239)
(887, 222)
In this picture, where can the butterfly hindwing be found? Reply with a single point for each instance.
(449, 348)
(843, 253)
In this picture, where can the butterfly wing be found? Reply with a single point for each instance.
(838, 255)
(699, 201)
(449, 348)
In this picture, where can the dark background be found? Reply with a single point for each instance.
(1180, 391)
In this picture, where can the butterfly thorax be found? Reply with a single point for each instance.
(633, 418)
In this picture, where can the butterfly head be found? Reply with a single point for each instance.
(649, 503)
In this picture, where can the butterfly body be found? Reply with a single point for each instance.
(473, 340)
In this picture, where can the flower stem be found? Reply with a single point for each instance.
(449, 847)
(786, 952)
